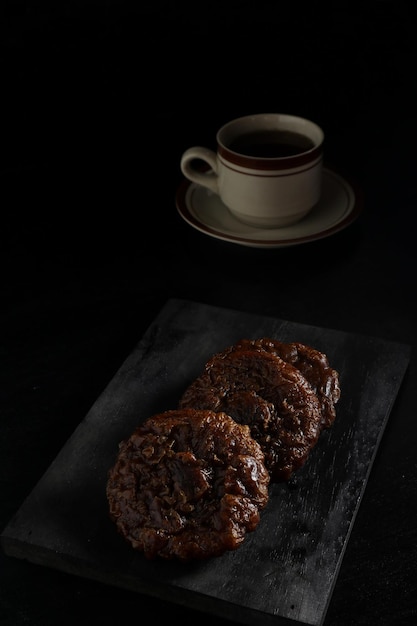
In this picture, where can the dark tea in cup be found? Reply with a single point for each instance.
(271, 144)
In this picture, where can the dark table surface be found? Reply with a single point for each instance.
(100, 104)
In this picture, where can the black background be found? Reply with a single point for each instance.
(99, 100)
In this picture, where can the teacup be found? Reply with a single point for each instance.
(267, 170)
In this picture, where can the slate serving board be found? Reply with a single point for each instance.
(286, 569)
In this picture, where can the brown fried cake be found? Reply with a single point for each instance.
(258, 388)
(187, 484)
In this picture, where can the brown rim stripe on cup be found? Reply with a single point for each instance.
(308, 166)
(278, 163)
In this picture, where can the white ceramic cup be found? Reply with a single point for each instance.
(260, 179)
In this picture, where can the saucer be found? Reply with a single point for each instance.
(204, 211)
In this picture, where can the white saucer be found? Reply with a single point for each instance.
(204, 211)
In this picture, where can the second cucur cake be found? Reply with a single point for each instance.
(286, 402)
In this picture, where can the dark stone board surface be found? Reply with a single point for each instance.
(285, 571)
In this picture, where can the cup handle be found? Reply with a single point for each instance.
(189, 168)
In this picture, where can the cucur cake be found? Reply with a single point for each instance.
(258, 388)
(187, 484)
